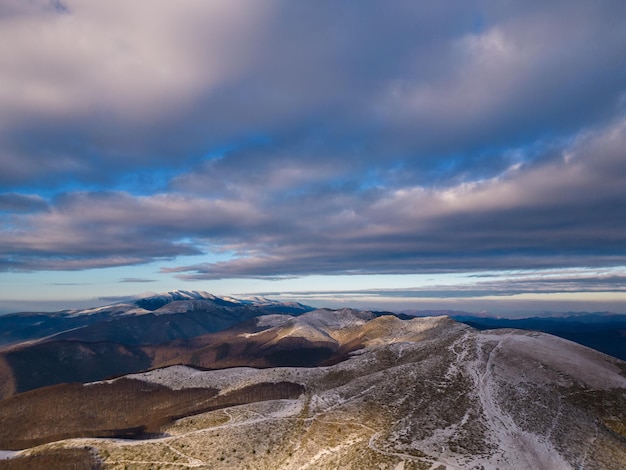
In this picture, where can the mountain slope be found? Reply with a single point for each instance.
(98, 343)
(423, 393)
(603, 332)
(315, 338)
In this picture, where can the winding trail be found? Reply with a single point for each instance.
(193, 462)
(588, 448)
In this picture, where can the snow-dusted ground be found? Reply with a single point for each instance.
(425, 392)
(180, 377)
(7, 454)
(485, 358)
(517, 449)
(270, 321)
(583, 364)
(121, 309)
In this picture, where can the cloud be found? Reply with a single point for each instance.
(91, 230)
(322, 138)
(556, 213)
(97, 82)
(128, 86)
(515, 286)
(68, 284)
(15, 202)
(504, 286)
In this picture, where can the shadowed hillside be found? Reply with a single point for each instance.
(308, 340)
(109, 341)
(123, 408)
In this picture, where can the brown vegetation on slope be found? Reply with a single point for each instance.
(55, 362)
(7, 381)
(123, 408)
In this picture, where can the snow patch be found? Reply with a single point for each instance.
(8, 454)
(270, 321)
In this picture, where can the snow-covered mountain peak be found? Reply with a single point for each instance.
(179, 294)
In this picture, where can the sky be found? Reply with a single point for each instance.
(398, 154)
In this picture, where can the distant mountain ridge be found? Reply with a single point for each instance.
(26, 326)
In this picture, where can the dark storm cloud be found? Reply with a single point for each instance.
(324, 137)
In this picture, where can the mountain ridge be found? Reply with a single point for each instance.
(25, 326)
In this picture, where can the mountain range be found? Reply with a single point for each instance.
(263, 385)
(40, 349)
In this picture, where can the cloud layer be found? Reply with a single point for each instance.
(321, 138)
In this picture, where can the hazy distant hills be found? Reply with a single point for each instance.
(377, 392)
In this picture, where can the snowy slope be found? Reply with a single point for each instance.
(457, 398)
